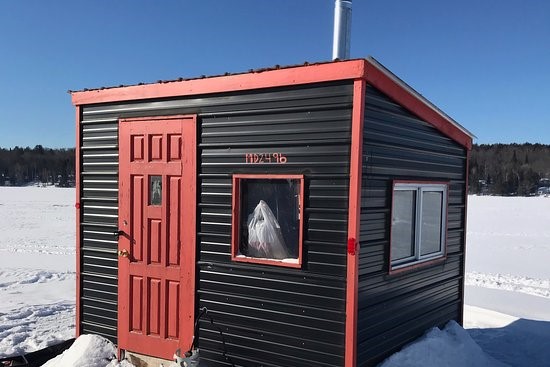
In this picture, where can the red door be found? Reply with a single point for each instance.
(156, 280)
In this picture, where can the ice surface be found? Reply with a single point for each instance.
(37, 268)
(37, 228)
(509, 235)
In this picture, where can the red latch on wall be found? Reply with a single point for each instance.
(77, 205)
(352, 246)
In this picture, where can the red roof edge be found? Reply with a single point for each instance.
(262, 78)
(380, 77)
(367, 69)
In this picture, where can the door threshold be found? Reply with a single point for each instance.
(141, 360)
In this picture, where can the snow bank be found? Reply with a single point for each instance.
(88, 351)
(491, 339)
(450, 347)
(509, 282)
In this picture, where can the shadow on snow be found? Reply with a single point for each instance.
(523, 343)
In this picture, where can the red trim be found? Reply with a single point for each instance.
(78, 209)
(156, 118)
(418, 265)
(188, 223)
(236, 219)
(427, 262)
(466, 188)
(351, 69)
(391, 88)
(273, 78)
(354, 208)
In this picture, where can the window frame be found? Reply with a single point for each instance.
(236, 219)
(418, 260)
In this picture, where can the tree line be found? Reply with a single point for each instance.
(496, 169)
(509, 169)
(22, 166)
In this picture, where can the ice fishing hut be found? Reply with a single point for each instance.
(317, 212)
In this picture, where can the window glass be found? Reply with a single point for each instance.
(402, 229)
(269, 218)
(155, 190)
(432, 202)
(418, 223)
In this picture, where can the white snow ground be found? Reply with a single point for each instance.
(507, 319)
(37, 268)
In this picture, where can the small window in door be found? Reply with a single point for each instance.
(267, 219)
(155, 190)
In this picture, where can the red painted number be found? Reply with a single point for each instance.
(265, 158)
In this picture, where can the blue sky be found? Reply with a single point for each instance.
(486, 63)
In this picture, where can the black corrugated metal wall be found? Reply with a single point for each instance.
(270, 316)
(393, 310)
(99, 210)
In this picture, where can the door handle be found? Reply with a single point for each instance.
(118, 233)
(123, 253)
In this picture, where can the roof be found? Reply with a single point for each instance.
(368, 69)
(418, 95)
(181, 79)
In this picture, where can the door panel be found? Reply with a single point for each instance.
(157, 249)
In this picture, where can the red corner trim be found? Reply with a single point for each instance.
(392, 89)
(78, 209)
(463, 269)
(356, 160)
(236, 219)
(352, 69)
(189, 226)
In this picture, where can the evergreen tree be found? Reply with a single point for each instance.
(20, 166)
(497, 168)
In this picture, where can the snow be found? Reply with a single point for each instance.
(37, 268)
(450, 347)
(87, 350)
(518, 342)
(507, 316)
(508, 255)
(509, 235)
(507, 282)
(491, 339)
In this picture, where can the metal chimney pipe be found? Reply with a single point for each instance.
(342, 30)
